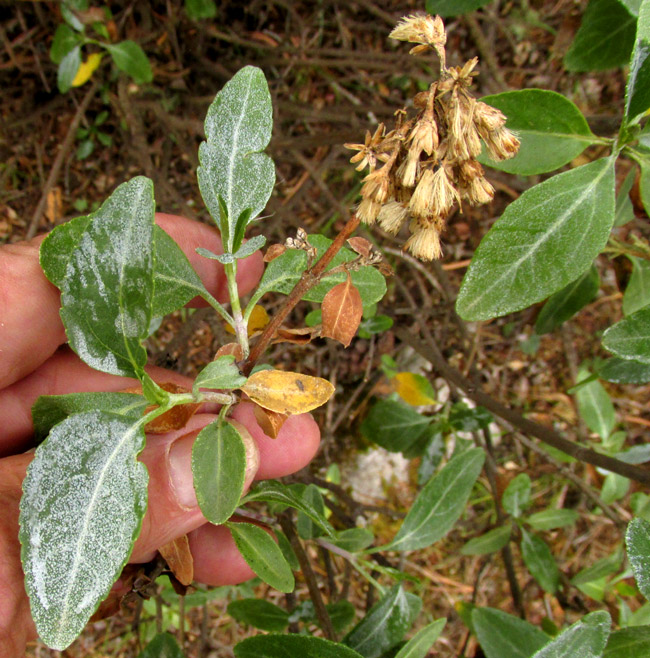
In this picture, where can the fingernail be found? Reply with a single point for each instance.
(180, 471)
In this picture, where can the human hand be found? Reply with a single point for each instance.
(33, 363)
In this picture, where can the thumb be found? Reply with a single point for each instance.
(173, 510)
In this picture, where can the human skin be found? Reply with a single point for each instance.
(35, 361)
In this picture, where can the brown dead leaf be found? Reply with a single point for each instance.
(265, 38)
(342, 310)
(174, 419)
(54, 205)
(273, 252)
(179, 559)
(362, 246)
(296, 336)
(230, 348)
(270, 421)
(287, 392)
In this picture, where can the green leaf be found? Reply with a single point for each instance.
(287, 550)
(197, 9)
(130, 58)
(68, 68)
(383, 626)
(637, 540)
(240, 228)
(306, 528)
(259, 613)
(644, 183)
(440, 503)
(162, 646)
(446, 8)
(375, 325)
(599, 569)
(630, 338)
(221, 373)
(176, 282)
(432, 454)
(219, 469)
(605, 38)
(551, 129)
(85, 149)
(394, 425)
(516, 497)
(614, 487)
(543, 241)
(283, 646)
(467, 419)
(250, 247)
(84, 497)
(549, 519)
(540, 562)
(637, 292)
(238, 128)
(624, 371)
(637, 93)
(595, 406)
(107, 289)
(633, 6)
(353, 540)
(341, 613)
(418, 646)
(272, 491)
(624, 208)
(263, 555)
(564, 304)
(505, 636)
(50, 410)
(65, 39)
(490, 542)
(631, 642)
(584, 639)
(283, 272)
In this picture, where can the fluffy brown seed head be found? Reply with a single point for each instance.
(502, 144)
(479, 191)
(368, 210)
(488, 117)
(425, 243)
(392, 216)
(428, 30)
(376, 186)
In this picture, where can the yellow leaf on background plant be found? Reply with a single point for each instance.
(258, 319)
(414, 389)
(86, 69)
(287, 392)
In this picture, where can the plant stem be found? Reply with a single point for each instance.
(240, 326)
(309, 279)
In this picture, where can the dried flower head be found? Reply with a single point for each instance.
(392, 216)
(425, 243)
(426, 30)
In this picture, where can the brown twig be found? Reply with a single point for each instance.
(309, 279)
(305, 566)
(549, 436)
(59, 160)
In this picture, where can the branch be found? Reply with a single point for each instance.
(431, 352)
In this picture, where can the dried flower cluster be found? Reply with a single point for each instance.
(428, 162)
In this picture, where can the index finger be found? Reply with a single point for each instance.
(30, 327)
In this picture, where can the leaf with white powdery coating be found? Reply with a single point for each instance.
(543, 241)
(220, 373)
(502, 635)
(263, 555)
(540, 561)
(107, 288)
(584, 639)
(219, 469)
(637, 540)
(632, 642)
(630, 338)
(551, 129)
(637, 292)
(84, 497)
(637, 93)
(418, 646)
(439, 504)
(238, 127)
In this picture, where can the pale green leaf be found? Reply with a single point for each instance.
(440, 503)
(584, 639)
(549, 519)
(605, 38)
(68, 68)
(107, 290)
(505, 636)
(595, 406)
(631, 642)
(630, 338)
(263, 555)
(219, 468)
(65, 39)
(516, 497)
(564, 304)
(418, 646)
(197, 9)
(84, 497)
(637, 540)
(625, 371)
(130, 58)
(637, 93)
(545, 240)
(238, 127)
(614, 487)
(490, 542)
(353, 539)
(540, 562)
(599, 569)
(384, 625)
(551, 129)
(259, 613)
(163, 645)
(624, 208)
(221, 373)
(394, 425)
(637, 292)
(644, 183)
(308, 529)
(288, 646)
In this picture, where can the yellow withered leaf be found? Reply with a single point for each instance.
(287, 392)
(258, 319)
(414, 389)
(86, 69)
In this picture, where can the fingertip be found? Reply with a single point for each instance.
(295, 446)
